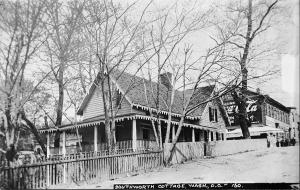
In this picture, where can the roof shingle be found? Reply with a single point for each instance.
(134, 89)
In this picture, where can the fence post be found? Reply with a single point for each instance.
(47, 175)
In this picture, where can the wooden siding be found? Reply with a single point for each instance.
(125, 108)
(220, 124)
(94, 106)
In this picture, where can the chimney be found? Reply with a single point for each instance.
(166, 80)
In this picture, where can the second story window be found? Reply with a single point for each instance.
(213, 114)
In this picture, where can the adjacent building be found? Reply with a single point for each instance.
(294, 123)
(262, 111)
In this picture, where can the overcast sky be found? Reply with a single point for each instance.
(283, 88)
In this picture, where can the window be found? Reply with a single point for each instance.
(213, 114)
(284, 118)
(272, 112)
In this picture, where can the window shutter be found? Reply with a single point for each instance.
(216, 115)
(210, 114)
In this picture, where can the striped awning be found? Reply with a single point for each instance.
(254, 131)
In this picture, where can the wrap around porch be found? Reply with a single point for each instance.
(133, 133)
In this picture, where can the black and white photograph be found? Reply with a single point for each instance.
(149, 94)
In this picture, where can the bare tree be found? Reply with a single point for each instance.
(114, 35)
(208, 67)
(21, 37)
(171, 27)
(64, 20)
(242, 30)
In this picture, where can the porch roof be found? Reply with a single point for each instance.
(99, 120)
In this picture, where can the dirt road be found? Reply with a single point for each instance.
(269, 165)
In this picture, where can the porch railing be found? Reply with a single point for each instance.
(121, 147)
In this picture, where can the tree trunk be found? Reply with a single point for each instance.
(167, 137)
(241, 101)
(8, 124)
(112, 116)
(159, 133)
(175, 139)
(35, 132)
(59, 110)
(106, 115)
(170, 115)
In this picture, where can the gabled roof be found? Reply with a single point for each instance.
(134, 89)
(200, 95)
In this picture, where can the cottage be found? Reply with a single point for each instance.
(134, 99)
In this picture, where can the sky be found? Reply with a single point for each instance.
(284, 87)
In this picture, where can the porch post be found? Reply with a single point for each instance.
(225, 136)
(95, 138)
(134, 134)
(48, 145)
(193, 135)
(64, 143)
(208, 136)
